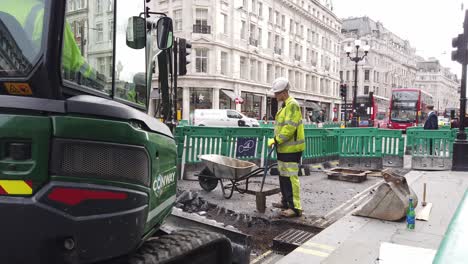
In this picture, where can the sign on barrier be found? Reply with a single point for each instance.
(246, 147)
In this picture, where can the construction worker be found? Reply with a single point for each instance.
(32, 23)
(290, 143)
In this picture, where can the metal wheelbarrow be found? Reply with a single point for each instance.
(238, 173)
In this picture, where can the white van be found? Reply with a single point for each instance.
(222, 118)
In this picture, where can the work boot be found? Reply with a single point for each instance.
(279, 205)
(290, 213)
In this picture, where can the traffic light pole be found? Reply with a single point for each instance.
(345, 111)
(460, 147)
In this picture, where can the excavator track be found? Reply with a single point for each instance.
(184, 246)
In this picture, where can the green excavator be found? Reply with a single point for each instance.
(86, 175)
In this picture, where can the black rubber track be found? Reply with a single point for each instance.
(184, 246)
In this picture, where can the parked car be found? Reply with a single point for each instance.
(222, 118)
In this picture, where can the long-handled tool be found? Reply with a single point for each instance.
(425, 210)
(260, 197)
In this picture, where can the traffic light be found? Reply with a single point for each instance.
(343, 90)
(459, 54)
(185, 48)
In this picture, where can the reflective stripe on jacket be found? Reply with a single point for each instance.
(289, 130)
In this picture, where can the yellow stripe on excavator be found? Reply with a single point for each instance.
(15, 187)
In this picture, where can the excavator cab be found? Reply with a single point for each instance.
(86, 174)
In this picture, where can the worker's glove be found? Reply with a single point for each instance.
(271, 142)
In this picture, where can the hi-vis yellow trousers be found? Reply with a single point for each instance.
(288, 167)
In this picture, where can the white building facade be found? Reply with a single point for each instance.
(240, 47)
(390, 63)
(440, 83)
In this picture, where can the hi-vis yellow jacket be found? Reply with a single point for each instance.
(289, 130)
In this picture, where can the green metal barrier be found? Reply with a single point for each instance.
(452, 249)
(360, 148)
(314, 145)
(393, 147)
(432, 150)
(364, 148)
(410, 136)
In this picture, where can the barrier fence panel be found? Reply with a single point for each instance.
(393, 147)
(331, 143)
(314, 145)
(432, 150)
(409, 138)
(360, 148)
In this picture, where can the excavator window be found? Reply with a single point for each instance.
(21, 31)
(95, 55)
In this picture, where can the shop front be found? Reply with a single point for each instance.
(227, 99)
(201, 98)
(252, 105)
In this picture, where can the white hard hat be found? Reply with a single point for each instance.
(279, 85)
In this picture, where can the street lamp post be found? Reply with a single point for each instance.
(356, 59)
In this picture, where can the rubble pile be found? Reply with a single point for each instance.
(190, 202)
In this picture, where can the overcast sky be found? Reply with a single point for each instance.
(429, 25)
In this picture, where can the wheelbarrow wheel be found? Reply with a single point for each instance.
(207, 183)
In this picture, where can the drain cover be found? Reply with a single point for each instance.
(290, 240)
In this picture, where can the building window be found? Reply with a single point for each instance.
(243, 67)
(201, 60)
(110, 5)
(101, 65)
(253, 6)
(291, 26)
(270, 15)
(260, 71)
(201, 21)
(253, 38)
(178, 20)
(291, 49)
(277, 18)
(269, 40)
(224, 63)
(242, 30)
(111, 29)
(269, 73)
(283, 21)
(366, 75)
(99, 6)
(260, 9)
(277, 72)
(260, 37)
(277, 45)
(99, 32)
(366, 89)
(224, 23)
(253, 70)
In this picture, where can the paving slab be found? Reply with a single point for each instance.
(357, 239)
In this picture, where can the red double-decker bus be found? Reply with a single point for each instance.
(372, 110)
(407, 107)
